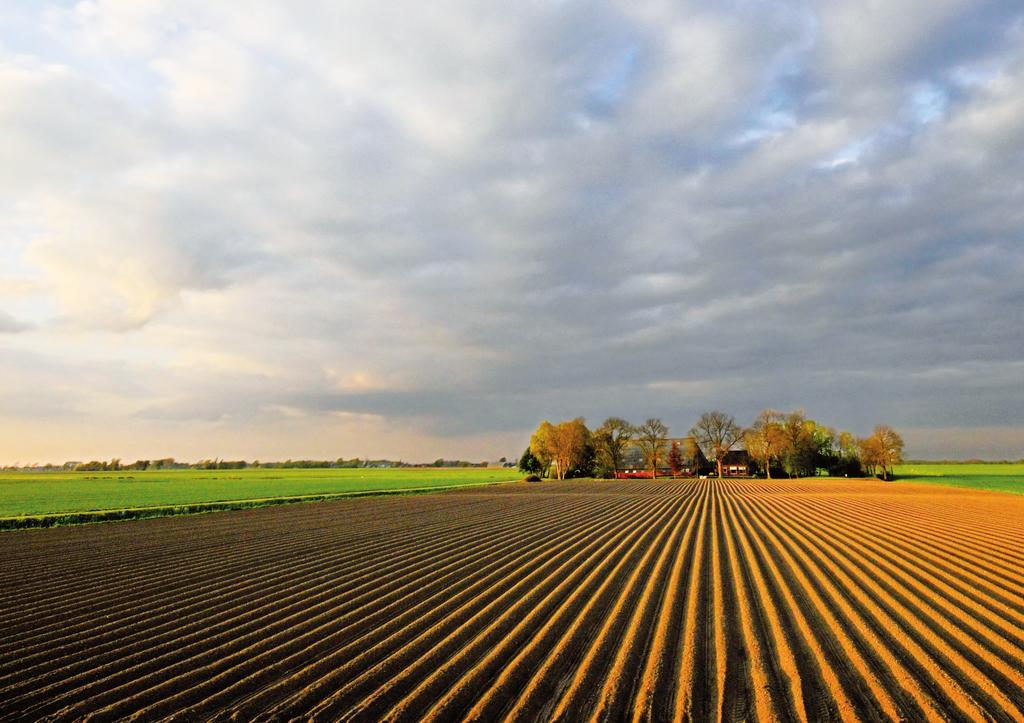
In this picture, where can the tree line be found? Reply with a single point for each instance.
(777, 444)
(117, 465)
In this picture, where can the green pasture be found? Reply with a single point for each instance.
(39, 493)
(996, 476)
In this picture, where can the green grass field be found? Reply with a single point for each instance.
(999, 477)
(24, 493)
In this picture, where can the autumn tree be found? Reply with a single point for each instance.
(610, 440)
(847, 444)
(675, 459)
(891, 445)
(870, 454)
(717, 433)
(541, 446)
(565, 445)
(766, 440)
(882, 451)
(572, 445)
(651, 436)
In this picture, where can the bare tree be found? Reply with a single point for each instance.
(652, 437)
(717, 433)
(610, 440)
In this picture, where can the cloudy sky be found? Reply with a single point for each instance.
(271, 229)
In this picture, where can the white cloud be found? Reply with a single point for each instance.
(209, 78)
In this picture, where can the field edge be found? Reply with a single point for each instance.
(85, 517)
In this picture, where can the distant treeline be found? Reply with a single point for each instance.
(116, 465)
(776, 443)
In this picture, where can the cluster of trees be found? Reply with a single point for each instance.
(97, 466)
(221, 464)
(564, 450)
(459, 463)
(115, 465)
(881, 452)
(792, 444)
(569, 449)
(777, 443)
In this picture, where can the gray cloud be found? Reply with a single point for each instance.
(459, 221)
(10, 325)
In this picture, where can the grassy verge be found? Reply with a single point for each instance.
(23, 522)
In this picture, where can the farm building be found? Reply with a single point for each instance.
(736, 463)
(633, 464)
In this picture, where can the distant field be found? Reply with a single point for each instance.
(999, 477)
(24, 493)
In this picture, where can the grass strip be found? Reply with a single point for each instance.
(25, 522)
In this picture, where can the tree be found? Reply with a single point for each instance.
(717, 433)
(651, 437)
(610, 440)
(541, 446)
(798, 458)
(882, 451)
(528, 464)
(675, 459)
(848, 455)
(891, 444)
(570, 442)
(692, 452)
(765, 440)
(826, 446)
(870, 453)
(565, 445)
(585, 464)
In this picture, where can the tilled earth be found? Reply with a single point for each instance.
(668, 600)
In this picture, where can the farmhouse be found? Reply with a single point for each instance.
(736, 463)
(633, 464)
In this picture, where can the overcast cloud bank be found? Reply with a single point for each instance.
(417, 229)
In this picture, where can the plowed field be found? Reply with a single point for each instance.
(667, 600)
